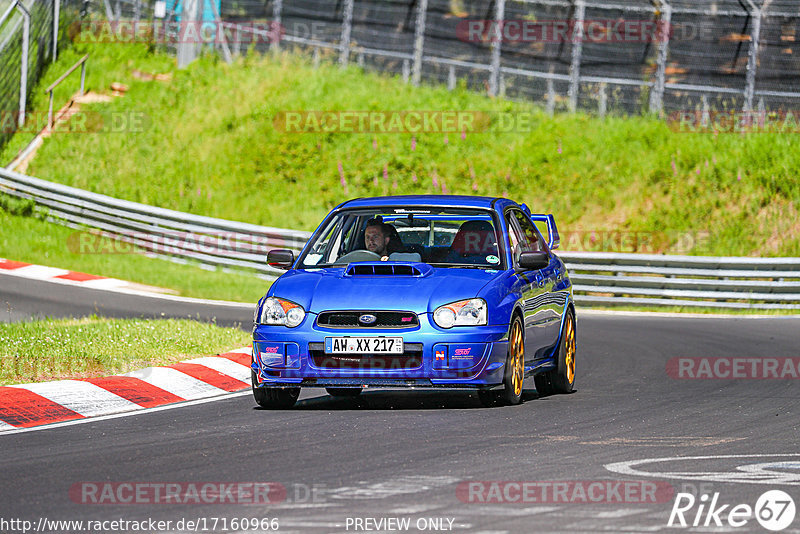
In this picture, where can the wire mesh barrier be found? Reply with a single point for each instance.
(109, 225)
(625, 56)
(26, 46)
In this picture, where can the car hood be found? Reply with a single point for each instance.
(319, 290)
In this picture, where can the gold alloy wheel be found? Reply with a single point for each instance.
(517, 358)
(570, 346)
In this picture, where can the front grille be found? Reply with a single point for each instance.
(411, 358)
(384, 319)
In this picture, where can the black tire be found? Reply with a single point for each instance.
(515, 364)
(274, 398)
(562, 378)
(344, 392)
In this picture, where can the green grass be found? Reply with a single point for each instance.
(43, 350)
(35, 241)
(210, 147)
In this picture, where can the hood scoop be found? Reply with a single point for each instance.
(388, 268)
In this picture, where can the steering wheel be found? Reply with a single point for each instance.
(357, 255)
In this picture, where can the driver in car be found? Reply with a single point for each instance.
(376, 238)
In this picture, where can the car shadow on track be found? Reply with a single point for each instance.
(406, 400)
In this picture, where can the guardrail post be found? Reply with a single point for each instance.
(347, 28)
(497, 45)
(23, 78)
(551, 93)
(664, 30)
(277, 9)
(752, 58)
(56, 17)
(451, 78)
(577, 50)
(419, 41)
(602, 101)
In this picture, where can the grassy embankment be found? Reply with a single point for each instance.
(36, 351)
(210, 147)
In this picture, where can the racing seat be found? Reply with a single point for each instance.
(474, 241)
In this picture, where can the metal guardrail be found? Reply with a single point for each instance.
(158, 231)
(697, 281)
(598, 278)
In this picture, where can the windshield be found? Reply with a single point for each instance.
(443, 237)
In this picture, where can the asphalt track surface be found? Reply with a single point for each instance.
(405, 454)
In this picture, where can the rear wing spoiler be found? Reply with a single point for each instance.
(553, 239)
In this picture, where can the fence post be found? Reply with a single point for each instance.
(665, 26)
(109, 11)
(23, 78)
(187, 52)
(347, 28)
(577, 50)
(551, 93)
(752, 58)
(277, 9)
(497, 45)
(226, 52)
(56, 16)
(602, 101)
(419, 41)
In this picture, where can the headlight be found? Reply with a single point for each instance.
(470, 312)
(281, 312)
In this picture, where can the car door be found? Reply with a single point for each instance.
(534, 288)
(551, 304)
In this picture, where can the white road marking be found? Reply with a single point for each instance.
(38, 271)
(225, 366)
(5, 426)
(84, 398)
(177, 383)
(104, 283)
(742, 473)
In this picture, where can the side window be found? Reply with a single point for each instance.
(531, 235)
(518, 240)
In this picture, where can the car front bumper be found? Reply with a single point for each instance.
(459, 357)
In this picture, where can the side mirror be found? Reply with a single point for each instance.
(280, 258)
(533, 261)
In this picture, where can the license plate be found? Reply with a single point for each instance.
(363, 345)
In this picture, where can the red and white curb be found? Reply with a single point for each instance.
(30, 405)
(54, 274)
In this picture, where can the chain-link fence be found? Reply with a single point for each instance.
(628, 56)
(623, 56)
(27, 33)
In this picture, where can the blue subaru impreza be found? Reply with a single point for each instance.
(418, 291)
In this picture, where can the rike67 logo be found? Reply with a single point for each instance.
(774, 510)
